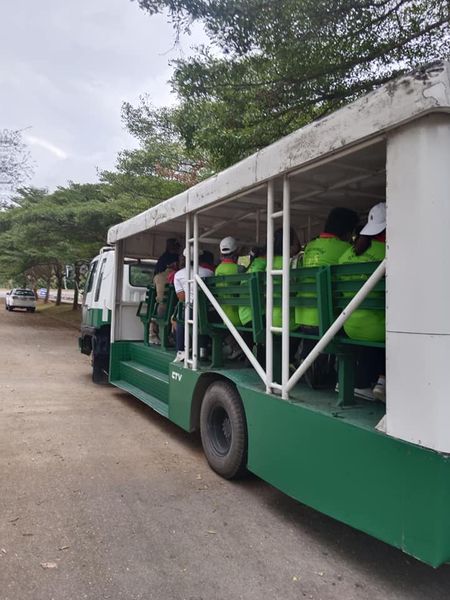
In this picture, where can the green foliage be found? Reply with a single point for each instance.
(45, 231)
(164, 164)
(283, 64)
(41, 232)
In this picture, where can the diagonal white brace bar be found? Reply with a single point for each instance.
(234, 332)
(336, 326)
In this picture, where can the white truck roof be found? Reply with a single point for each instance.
(421, 92)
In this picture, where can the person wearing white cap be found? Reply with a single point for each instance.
(228, 266)
(369, 324)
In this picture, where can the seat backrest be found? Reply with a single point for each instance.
(347, 280)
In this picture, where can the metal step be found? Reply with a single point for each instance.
(160, 407)
(147, 379)
(151, 356)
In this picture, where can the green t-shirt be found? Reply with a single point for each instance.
(366, 324)
(258, 265)
(322, 251)
(229, 268)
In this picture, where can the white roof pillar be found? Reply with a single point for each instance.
(418, 282)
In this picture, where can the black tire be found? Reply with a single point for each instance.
(33, 310)
(98, 374)
(223, 430)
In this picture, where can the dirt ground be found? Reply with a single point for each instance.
(102, 498)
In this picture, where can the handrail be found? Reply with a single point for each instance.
(336, 325)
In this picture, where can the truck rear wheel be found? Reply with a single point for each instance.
(223, 430)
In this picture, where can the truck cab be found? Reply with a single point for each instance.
(97, 304)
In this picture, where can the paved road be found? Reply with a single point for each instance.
(66, 297)
(122, 502)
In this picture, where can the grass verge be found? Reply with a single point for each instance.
(63, 312)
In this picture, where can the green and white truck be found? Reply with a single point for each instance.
(381, 468)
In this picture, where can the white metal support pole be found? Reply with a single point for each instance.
(285, 286)
(188, 291)
(117, 292)
(269, 287)
(195, 302)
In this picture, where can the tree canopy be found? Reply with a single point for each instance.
(272, 67)
(15, 164)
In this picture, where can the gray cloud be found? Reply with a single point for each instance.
(65, 68)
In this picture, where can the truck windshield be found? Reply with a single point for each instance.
(141, 275)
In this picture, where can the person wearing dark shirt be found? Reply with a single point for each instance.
(168, 264)
(170, 256)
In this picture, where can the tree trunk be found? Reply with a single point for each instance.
(47, 291)
(76, 280)
(59, 275)
(58, 292)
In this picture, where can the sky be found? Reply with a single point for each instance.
(66, 66)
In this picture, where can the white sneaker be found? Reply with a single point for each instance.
(236, 353)
(365, 394)
(179, 357)
(379, 390)
(154, 339)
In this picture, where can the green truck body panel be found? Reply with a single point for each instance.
(182, 384)
(94, 318)
(395, 491)
(328, 457)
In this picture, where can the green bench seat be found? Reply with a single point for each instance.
(241, 289)
(328, 289)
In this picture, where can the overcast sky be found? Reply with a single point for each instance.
(66, 66)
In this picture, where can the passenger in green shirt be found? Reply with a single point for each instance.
(369, 324)
(366, 324)
(258, 264)
(228, 266)
(326, 250)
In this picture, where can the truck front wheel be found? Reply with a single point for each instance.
(100, 357)
(99, 366)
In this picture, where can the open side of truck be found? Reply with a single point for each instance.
(383, 469)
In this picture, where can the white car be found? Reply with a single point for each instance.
(20, 298)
